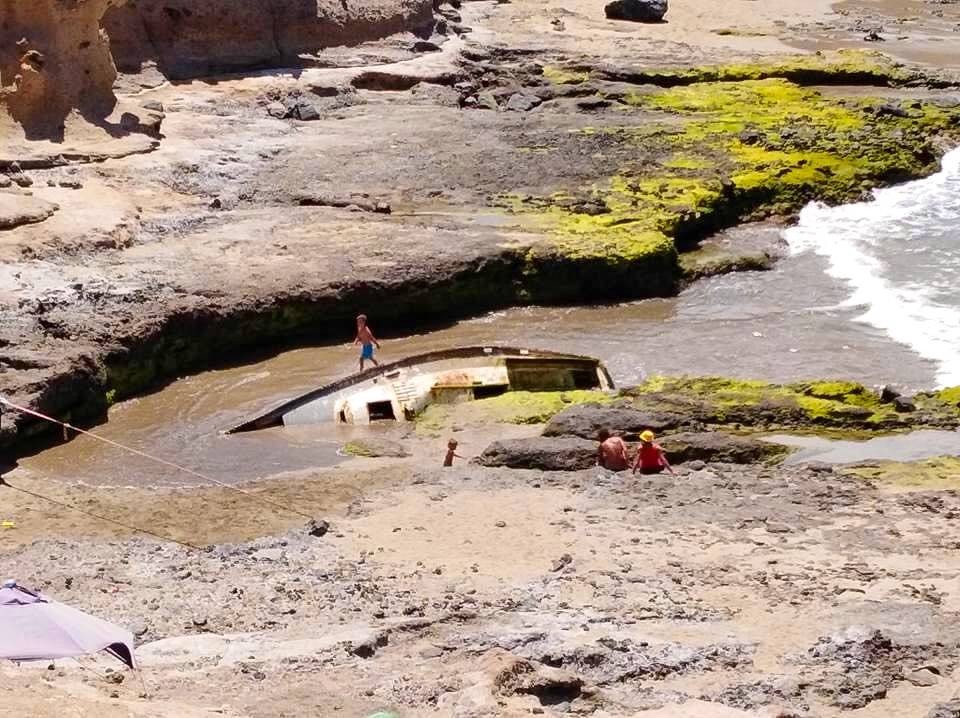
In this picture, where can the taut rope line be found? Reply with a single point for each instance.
(71, 507)
(157, 459)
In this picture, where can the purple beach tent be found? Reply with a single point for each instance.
(36, 628)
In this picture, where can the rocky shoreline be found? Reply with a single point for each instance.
(591, 181)
(502, 156)
(628, 237)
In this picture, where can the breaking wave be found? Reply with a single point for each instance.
(900, 256)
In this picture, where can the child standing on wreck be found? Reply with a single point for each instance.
(366, 340)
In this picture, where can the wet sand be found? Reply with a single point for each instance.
(915, 446)
(912, 30)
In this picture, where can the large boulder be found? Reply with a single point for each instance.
(586, 421)
(637, 10)
(721, 447)
(540, 452)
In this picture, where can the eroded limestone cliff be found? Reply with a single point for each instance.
(54, 59)
(197, 37)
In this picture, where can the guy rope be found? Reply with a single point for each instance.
(4, 402)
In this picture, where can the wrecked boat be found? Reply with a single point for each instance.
(399, 390)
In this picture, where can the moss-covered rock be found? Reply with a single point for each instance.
(949, 396)
(665, 403)
(716, 146)
(842, 67)
(721, 447)
(515, 407)
(587, 420)
(761, 405)
(373, 447)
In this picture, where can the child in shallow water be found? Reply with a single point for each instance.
(451, 453)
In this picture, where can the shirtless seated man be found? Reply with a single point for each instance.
(612, 452)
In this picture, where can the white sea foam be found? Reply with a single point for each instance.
(900, 256)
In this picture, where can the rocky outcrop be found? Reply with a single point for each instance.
(17, 209)
(570, 453)
(719, 446)
(544, 453)
(586, 421)
(189, 38)
(54, 60)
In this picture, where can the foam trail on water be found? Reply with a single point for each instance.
(900, 255)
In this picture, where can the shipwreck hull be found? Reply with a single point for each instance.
(399, 390)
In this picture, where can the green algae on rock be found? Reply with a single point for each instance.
(745, 405)
(937, 474)
(514, 407)
(842, 67)
(760, 405)
(373, 447)
(716, 146)
(563, 76)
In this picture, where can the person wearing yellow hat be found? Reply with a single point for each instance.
(650, 458)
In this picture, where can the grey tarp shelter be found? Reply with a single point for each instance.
(35, 628)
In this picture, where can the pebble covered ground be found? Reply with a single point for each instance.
(476, 591)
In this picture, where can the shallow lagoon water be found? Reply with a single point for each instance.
(913, 446)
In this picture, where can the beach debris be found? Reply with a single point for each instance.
(317, 527)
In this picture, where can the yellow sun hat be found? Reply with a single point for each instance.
(647, 436)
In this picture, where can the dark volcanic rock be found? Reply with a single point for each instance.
(904, 405)
(888, 394)
(545, 453)
(718, 446)
(302, 110)
(586, 420)
(637, 10)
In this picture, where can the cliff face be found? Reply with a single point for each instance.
(196, 37)
(54, 59)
